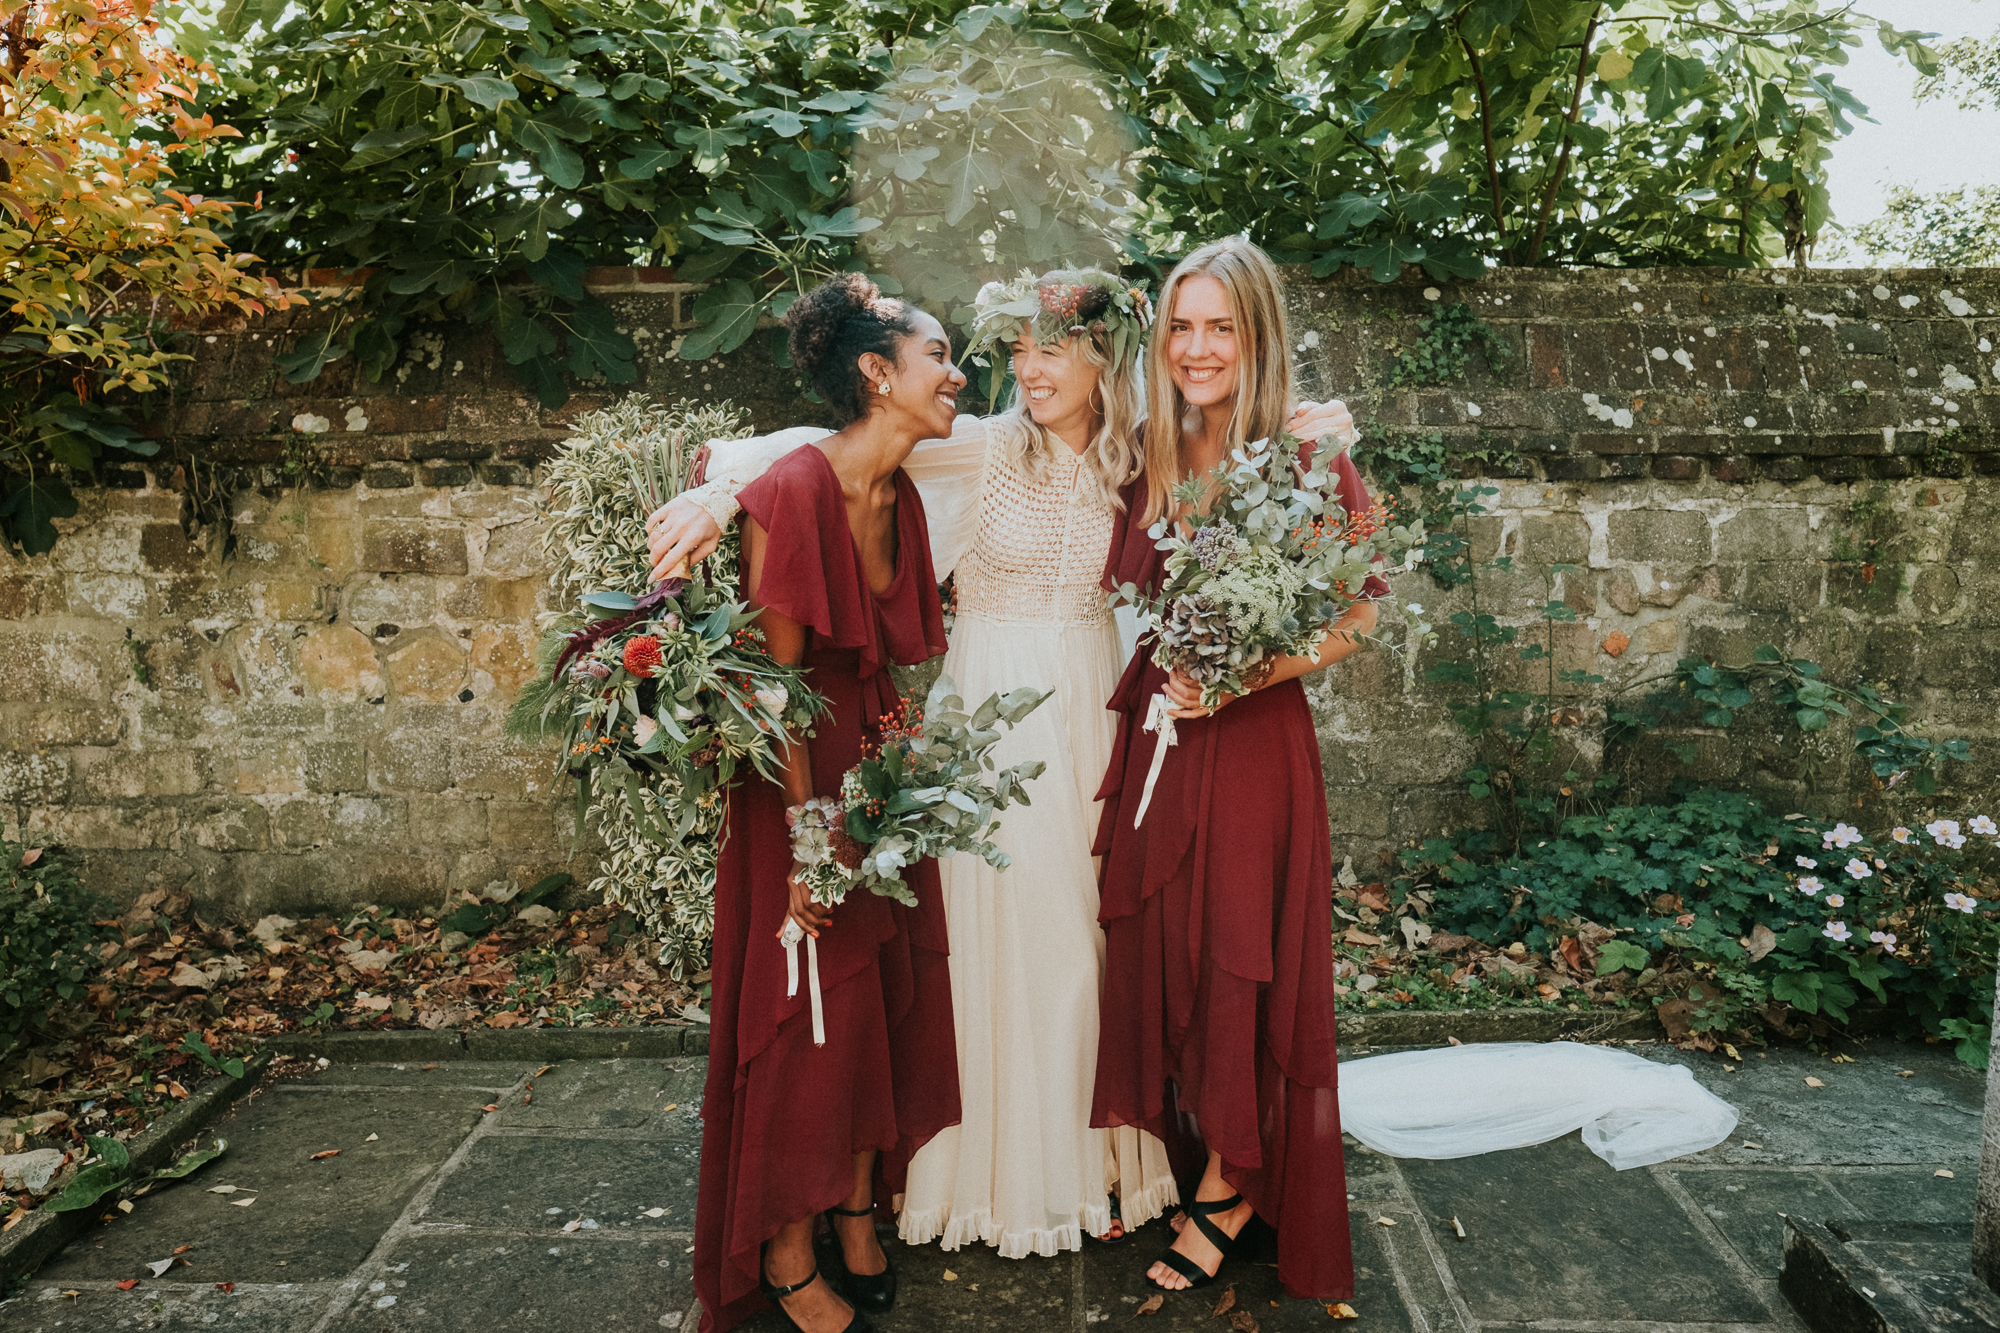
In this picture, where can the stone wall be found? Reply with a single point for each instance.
(300, 705)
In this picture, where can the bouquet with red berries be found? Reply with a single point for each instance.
(929, 790)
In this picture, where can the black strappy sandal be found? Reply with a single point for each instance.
(776, 1295)
(1198, 1213)
(873, 1292)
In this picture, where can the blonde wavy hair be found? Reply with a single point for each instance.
(1113, 458)
(1263, 361)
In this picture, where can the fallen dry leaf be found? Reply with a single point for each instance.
(372, 1138)
(28, 858)
(182, 1249)
(1906, 1073)
(1224, 1303)
(124, 1205)
(527, 1097)
(71, 1295)
(654, 1212)
(950, 1276)
(671, 1106)
(1458, 1227)
(537, 1074)
(322, 1156)
(490, 1106)
(160, 1266)
(429, 1068)
(1812, 1082)
(1843, 1059)
(1385, 1221)
(1750, 1144)
(128, 1284)
(1342, 1310)
(243, 1203)
(1149, 1305)
(224, 1189)
(1944, 1174)
(1242, 1321)
(176, 1089)
(573, 1224)
(1356, 935)
(225, 1287)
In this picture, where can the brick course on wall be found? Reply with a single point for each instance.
(299, 706)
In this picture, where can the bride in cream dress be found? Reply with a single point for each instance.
(1020, 510)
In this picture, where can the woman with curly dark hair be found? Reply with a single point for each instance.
(836, 558)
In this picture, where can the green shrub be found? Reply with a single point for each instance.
(1763, 907)
(47, 937)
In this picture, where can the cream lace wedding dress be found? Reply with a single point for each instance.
(1023, 1172)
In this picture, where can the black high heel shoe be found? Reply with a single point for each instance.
(776, 1295)
(873, 1292)
(1198, 1212)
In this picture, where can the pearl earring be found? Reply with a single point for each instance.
(883, 387)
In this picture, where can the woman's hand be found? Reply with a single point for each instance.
(1185, 697)
(1315, 421)
(811, 916)
(678, 534)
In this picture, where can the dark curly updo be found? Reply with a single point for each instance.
(833, 326)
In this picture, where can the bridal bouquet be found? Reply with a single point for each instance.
(1265, 563)
(665, 696)
(923, 793)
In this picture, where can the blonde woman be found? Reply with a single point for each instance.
(1021, 508)
(1218, 1029)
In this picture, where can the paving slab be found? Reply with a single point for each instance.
(660, 1096)
(1749, 1207)
(491, 1075)
(1555, 1233)
(536, 1183)
(434, 1283)
(310, 1219)
(251, 1308)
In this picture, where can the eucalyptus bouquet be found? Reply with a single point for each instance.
(925, 792)
(1264, 568)
(1264, 564)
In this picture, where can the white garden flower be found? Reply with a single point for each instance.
(1416, 609)
(1837, 931)
(1841, 836)
(1858, 868)
(644, 728)
(1805, 862)
(1880, 864)
(1942, 830)
(1983, 826)
(1958, 902)
(1810, 884)
(1900, 834)
(1884, 938)
(1952, 843)
(773, 698)
(1835, 900)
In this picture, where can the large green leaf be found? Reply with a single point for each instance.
(596, 347)
(963, 177)
(727, 313)
(29, 507)
(445, 275)
(647, 158)
(379, 146)
(557, 160)
(487, 90)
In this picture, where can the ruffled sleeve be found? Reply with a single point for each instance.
(734, 464)
(950, 475)
(810, 572)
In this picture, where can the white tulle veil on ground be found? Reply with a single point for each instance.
(1460, 1101)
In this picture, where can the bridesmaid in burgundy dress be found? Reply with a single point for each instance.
(1218, 1027)
(837, 557)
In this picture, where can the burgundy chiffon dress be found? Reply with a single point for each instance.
(1217, 1030)
(783, 1117)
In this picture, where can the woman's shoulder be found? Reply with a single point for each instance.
(799, 476)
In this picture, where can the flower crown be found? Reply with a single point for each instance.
(1062, 304)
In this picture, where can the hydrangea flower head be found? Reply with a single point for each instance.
(1809, 884)
(1858, 868)
(1837, 931)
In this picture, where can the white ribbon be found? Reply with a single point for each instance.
(790, 937)
(1161, 721)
